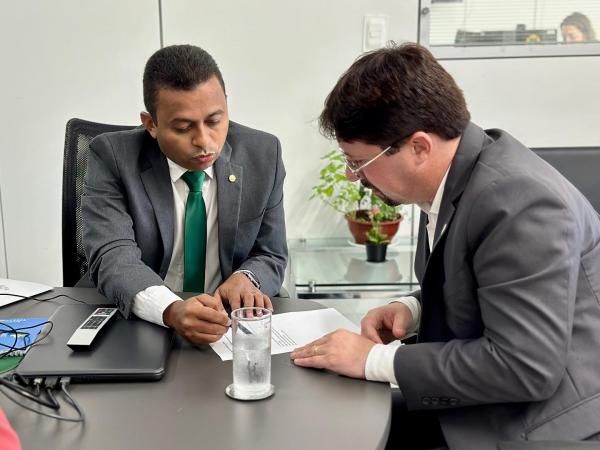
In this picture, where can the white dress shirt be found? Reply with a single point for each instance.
(380, 360)
(150, 303)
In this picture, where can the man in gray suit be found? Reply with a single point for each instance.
(508, 262)
(191, 202)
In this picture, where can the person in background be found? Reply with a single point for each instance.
(577, 27)
(190, 202)
(508, 262)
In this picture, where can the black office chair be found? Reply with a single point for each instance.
(579, 165)
(78, 136)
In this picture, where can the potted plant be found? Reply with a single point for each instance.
(376, 244)
(360, 205)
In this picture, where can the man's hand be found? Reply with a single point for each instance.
(239, 291)
(342, 352)
(386, 323)
(199, 319)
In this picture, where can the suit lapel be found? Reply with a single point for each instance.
(433, 323)
(229, 177)
(157, 182)
(459, 174)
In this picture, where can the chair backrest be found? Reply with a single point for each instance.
(78, 136)
(579, 165)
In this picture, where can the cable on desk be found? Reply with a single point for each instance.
(29, 395)
(81, 417)
(40, 337)
(64, 382)
(52, 397)
(13, 348)
(33, 297)
(49, 382)
(11, 329)
(14, 331)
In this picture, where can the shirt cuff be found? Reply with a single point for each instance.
(415, 310)
(380, 362)
(250, 276)
(150, 304)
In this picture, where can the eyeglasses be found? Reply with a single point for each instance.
(355, 167)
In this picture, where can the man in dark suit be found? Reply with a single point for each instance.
(508, 262)
(189, 202)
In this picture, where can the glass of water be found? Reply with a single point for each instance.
(251, 335)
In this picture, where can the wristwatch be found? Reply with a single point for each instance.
(250, 276)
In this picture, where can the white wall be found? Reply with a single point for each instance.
(60, 59)
(543, 102)
(279, 61)
(3, 272)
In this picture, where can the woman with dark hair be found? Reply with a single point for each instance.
(577, 28)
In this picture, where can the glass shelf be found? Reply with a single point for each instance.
(336, 266)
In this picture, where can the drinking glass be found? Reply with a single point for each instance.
(251, 335)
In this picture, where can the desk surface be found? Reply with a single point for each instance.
(188, 408)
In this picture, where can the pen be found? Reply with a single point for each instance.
(244, 328)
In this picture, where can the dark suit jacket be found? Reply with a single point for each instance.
(127, 211)
(510, 329)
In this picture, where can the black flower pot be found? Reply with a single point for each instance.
(376, 252)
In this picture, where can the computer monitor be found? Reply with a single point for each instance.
(520, 35)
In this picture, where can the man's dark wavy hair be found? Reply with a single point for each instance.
(177, 67)
(389, 94)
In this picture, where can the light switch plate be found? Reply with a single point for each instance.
(375, 30)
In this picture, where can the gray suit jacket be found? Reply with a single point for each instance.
(510, 330)
(127, 211)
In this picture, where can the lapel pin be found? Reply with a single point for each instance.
(232, 178)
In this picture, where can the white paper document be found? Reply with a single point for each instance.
(18, 289)
(292, 330)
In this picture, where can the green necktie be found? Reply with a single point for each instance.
(195, 234)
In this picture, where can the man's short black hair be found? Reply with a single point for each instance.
(391, 93)
(177, 67)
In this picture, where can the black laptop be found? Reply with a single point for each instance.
(133, 349)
